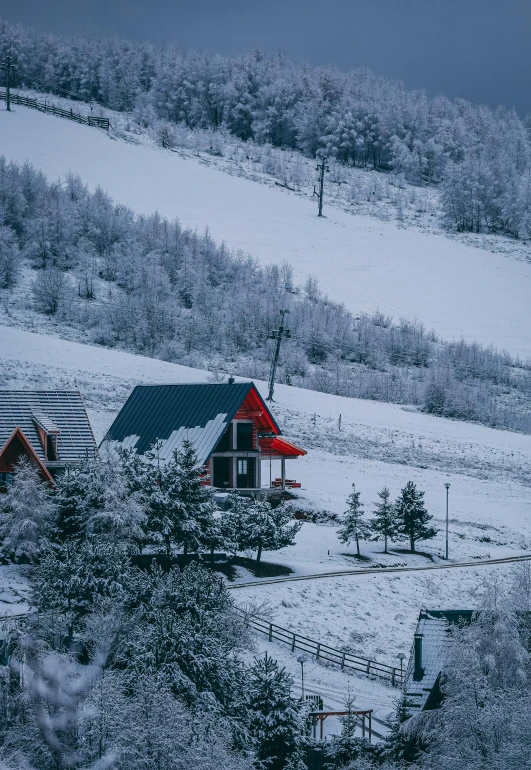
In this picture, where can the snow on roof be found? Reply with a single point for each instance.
(61, 412)
(171, 414)
(45, 422)
(433, 626)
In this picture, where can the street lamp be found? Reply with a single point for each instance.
(302, 660)
(447, 485)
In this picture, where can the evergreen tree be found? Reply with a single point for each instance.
(73, 488)
(196, 502)
(412, 517)
(347, 747)
(97, 499)
(354, 527)
(183, 628)
(277, 722)
(72, 577)
(256, 524)
(181, 510)
(383, 522)
(27, 511)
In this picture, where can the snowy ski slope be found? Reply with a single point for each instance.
(457, 290)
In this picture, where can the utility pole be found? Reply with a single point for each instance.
(277, 334)
(321, 168)
(9, 69)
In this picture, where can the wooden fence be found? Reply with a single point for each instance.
(87, 120)
(324, 652)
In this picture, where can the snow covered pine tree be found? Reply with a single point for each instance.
(412, 516)
(354, 527)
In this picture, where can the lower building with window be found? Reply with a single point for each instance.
(229, 425)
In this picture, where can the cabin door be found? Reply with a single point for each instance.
(245, 473)
(222, 472)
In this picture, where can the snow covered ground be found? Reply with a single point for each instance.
(457, 290)
(373, 615)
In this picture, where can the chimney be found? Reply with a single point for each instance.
(418, 671)
(231, 381)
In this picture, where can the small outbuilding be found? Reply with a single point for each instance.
(229, 425)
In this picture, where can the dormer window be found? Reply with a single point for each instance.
(48, 434)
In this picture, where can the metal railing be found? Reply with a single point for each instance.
(322, 651)
(87, 120)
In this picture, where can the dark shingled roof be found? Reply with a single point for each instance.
(434, 627)
(174, 413)
(61, 412)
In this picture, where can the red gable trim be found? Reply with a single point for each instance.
(260, 414)
(34, 458)
(279, 446)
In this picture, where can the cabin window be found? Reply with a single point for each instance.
(224, 444)
(6, 479)
(242, 467)
(244, 435)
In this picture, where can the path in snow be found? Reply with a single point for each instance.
(380, 571)
(365, 263)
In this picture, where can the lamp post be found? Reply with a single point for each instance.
(447, 485)
(401, 656)
(302, 660)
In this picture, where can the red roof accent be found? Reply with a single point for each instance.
(279, 446)
(255, 403)
(31, 453)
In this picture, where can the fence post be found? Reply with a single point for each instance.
(318, 651)
(270, 632)
(370, 725)
(393, 677)
(342, 661)
(368, 666)
(293, 643)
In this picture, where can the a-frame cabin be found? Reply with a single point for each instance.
(229, 425)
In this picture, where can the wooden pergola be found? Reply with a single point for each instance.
(320, 716)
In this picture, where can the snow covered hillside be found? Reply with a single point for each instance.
(457, 290)
(379, 444)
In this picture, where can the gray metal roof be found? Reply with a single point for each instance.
(170, 414)
(433, 626)
(61, 412)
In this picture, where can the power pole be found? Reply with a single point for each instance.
(277, 334)
(9, 69)
(321, 168)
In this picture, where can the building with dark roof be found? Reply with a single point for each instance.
(49, 427)
(423, 674)
(229, 426)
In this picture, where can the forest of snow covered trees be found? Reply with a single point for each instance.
(152, 668)
(480, 158)
(150, 286)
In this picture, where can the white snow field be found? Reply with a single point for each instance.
(375, 614)
(455, 289)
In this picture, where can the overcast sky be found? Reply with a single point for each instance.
(477, 49)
